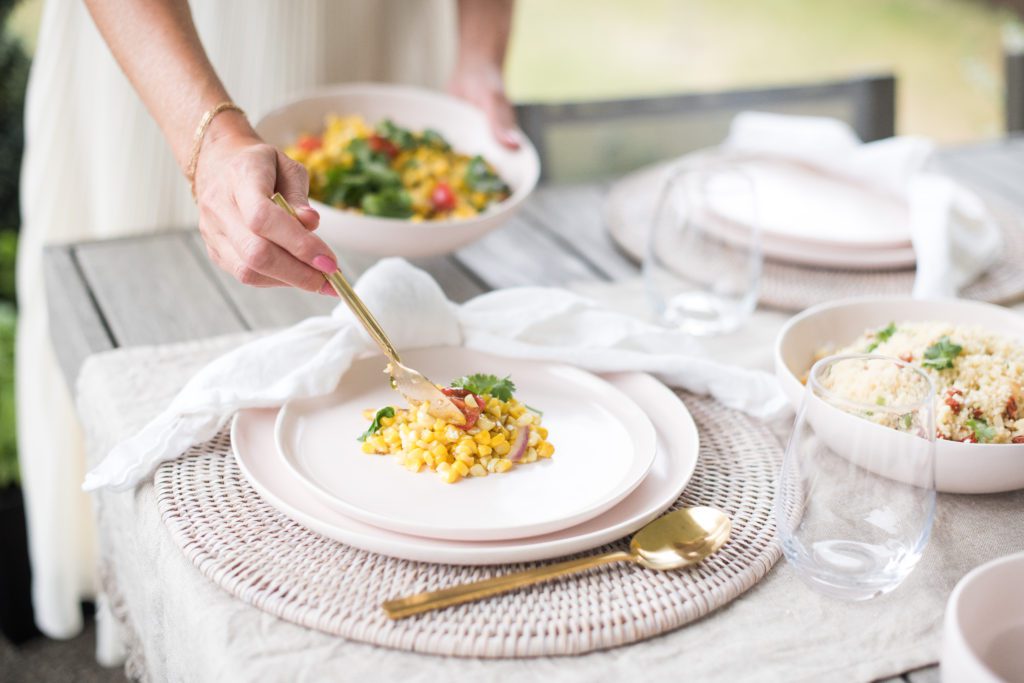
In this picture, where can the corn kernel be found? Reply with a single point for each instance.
(461, 467)
(503, 465)
(483, 449)
(483, 438)
(478, 471)
(545, 450)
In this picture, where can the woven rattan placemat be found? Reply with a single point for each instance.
(264, 558)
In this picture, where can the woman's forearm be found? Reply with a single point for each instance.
(156, 44)
(484, 28)
(246, 234)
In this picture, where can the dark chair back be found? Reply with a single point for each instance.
(579, 141)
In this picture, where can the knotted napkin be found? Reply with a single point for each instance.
(311, 358)
(954, 236)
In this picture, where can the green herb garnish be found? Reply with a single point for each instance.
(480, 177)
(940, 355)
(434, 139)
(982, 432)
(479, 384)
(883, 335)
(374, 427)
(400, 137)
(907, 419)
(540, 413)
(880, 400)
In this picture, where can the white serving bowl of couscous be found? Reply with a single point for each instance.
(974, 354)
(462, 127)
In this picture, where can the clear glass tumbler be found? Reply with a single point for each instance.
(857, 489)
(702, 265)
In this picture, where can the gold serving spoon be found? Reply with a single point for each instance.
(679, 539)
(412, 384)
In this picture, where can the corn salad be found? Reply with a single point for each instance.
(421, 441)
(392, 172)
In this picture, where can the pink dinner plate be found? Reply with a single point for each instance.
(675, 458)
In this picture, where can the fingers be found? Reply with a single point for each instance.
(260, 259)
(503, 120)
(293, 184)
(247, 234)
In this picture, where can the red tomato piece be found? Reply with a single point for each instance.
(380, 144)
(308, 143)
(472, 412)
(442, 197)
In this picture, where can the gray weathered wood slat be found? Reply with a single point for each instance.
(262, 307)
(574, 215)
(154, 290)
(521, 253)
(972, 171)
(458, 283)
(76, 327)
(999, 161)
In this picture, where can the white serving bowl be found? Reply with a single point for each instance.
(983, 634)
(959, 467)
(465, 128)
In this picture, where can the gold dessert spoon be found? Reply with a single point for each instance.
(412, 384)
(679, 539)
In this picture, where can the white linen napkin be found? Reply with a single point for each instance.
(310, 358)
(955, 238)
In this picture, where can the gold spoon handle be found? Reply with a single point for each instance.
(468, 592)
(349, 296)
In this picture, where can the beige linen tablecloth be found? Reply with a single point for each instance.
(179, 626)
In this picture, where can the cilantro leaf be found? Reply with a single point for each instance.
(882, 336)
(907, 420)
(982, 432)
(374, 427)
(940, 355)
(501, 389)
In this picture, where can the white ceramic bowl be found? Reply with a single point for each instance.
(466, 129)
(983, 634)
(959, 467)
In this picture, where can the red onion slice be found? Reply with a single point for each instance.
(518, 449)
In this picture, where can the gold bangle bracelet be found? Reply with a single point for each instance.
(197, 141)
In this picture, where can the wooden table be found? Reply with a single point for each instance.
(161, 288)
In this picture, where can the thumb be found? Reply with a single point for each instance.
(503, 120)
(293, 184)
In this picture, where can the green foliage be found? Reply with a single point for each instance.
(14, 65)
(8, 251)
(8, 435)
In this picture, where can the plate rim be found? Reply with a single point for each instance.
(647, 444)
(556, 544)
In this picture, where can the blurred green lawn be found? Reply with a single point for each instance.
(946, 53)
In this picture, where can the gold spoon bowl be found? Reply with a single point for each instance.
(681, 538)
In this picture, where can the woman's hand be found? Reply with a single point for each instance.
(246, 234)
(481, 84)
(484, 27)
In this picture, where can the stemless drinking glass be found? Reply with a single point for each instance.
(857, 490)
(702, 265)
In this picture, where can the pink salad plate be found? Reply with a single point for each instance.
(604, 447)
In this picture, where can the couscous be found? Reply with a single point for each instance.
(392, 172)
(977, 376)
(500, 432)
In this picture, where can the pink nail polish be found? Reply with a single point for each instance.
(328, 290)
(325, 264)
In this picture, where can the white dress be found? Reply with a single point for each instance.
(96, 166)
